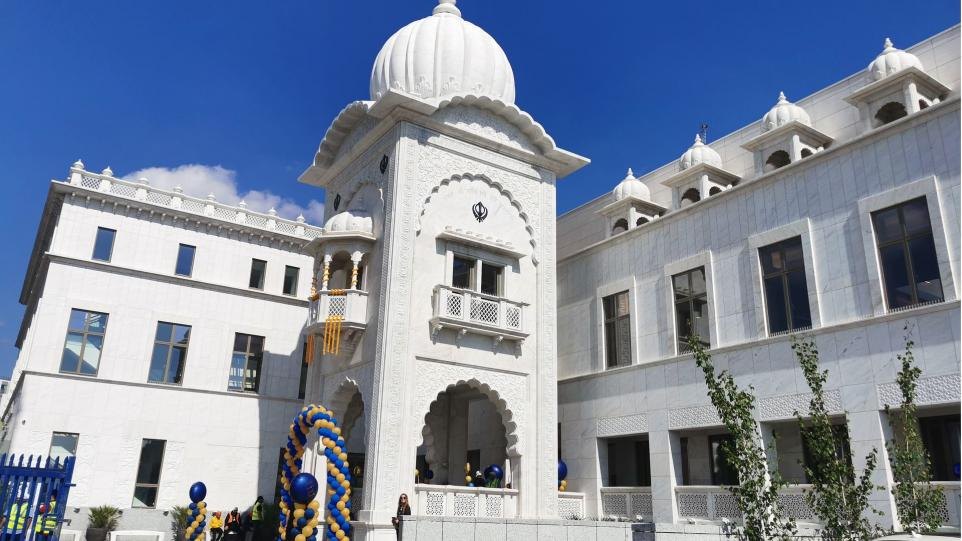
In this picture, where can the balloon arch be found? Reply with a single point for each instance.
(299, 489)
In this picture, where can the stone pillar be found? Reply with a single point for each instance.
(868, 428)
(767, 430)
(911, 93)
(665, 455)
(795, 148)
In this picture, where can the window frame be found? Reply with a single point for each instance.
(614, 319)
(160, 476)
(193, 254)
(783, 276)
(250, 278)
(110, 250)
(83, 342)
(903, 241)
(479, 260)
(170, 348)
(297, 277)
(690, 301)
(247, 364)
(928, 187)
(702, 259)
(801, 228)
(606, 290)
(303, 376)
(712, 438)
(54, 434)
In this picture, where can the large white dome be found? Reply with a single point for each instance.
(631, 187)
(442, 55)
(892, 60)
(784, 112)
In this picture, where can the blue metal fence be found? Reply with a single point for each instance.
(33, 496)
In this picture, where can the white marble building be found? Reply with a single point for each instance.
(453, 318)
(136, 300)
(767, 232)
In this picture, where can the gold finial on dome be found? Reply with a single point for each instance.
(447, 6)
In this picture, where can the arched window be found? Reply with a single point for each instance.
(641, 221)
(806, 152)
(620, 227)
(779, 158)
(690, 196)
(714, 190)
(890, 112)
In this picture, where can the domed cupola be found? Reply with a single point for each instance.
(632, 206)
(784, 112)
(892, 60)
(899, 87)
(440, 56)
(350, 221)
(701, 175)
(631, 187)
(699, 153)
(787, 136)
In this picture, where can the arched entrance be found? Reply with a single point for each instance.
(348, 406)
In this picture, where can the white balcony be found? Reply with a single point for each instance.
(472, 312)
(350, 305)
(706, 503)
(571, 505)
(455, 501)
(626, 503)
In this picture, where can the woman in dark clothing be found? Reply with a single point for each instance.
(403, 508)
(232, 525)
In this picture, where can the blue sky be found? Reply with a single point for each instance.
(247, 88)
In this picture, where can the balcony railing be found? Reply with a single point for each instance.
(627, 503)
(706, 503)
(455, 501)
(571, 505)
(470, 311)
(175, 199)
(949, 508)
(351, 305)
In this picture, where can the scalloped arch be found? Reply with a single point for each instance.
(342, 396)
(513, 449)
(497, 186)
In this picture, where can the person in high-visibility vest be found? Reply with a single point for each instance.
(46, 519)
(16, 521)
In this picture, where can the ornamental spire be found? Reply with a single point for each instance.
(447, 6)
(782, 98)
(887, 44)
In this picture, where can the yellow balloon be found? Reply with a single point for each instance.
(299, 537)
(315, 505)
(346, 484)
(329, 444)
(340, 505)
(340, 477)
(467, 468)
(298, 513)
(467, 478)
(339, 535)
(308, 531)
(337, 430)
(335, 527)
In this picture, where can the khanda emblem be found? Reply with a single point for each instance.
(480, 211)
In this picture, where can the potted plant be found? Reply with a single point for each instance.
(100, 521)
(178, 521)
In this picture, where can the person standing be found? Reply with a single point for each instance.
(17, 520)
(216, 527)
(257, 517)
(403, 508)
(46, 519)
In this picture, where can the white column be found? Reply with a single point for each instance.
(326, 276)
(868, 428)
(911, 93)
(795, 148)
(665, 453)
(356, 261)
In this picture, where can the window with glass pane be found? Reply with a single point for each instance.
(245, 365)
(842, 448)
(617, 330)
(691, 308)
(185, 260)
(491, 279)
(910, 268)
(104, 244)
(85, 341)
(63, 445)
(940, 435)
(302, 382)
(786, 288)
(722, 470)
(258, 270)
(462, 274)
(290, 280)
(148, 473)
(170, 353)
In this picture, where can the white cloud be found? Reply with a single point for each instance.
(199, 180)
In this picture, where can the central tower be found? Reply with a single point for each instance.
(435, 281)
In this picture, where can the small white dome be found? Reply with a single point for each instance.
(350, 221)
(631, 187)
(442, 55)
(892, 60)
(783, 113)
(699, 153)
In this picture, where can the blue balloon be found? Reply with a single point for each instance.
(493, 472)
(304, 488)
(562, 470)
(429, 474)
(192, 506)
